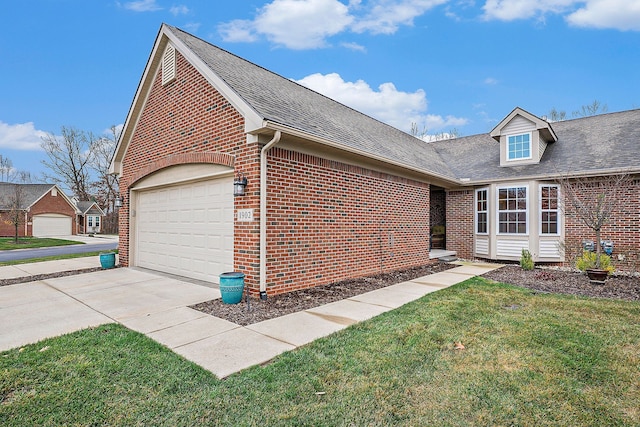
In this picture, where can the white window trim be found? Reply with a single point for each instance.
(497, 210)
(530, 147)
(475, 212)
(558, 233)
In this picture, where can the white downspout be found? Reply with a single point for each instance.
(263, 213)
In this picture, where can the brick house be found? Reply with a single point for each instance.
(46, 210)
(90, 217)
(343, 195)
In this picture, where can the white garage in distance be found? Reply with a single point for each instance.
(49, 225)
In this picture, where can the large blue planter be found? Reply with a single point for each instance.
(108, 260)
(231, 287)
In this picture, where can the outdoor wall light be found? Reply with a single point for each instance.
(118, 201)
(239, 184)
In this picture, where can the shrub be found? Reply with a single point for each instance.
(526, 261)
(588, 260)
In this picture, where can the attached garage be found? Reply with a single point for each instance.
(186, 229)
(48, 225)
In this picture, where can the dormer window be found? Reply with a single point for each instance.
(519, 146)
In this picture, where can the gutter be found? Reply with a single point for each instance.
(263, 213)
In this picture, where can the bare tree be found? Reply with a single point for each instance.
(106, 184)
(15, 215)
(424, 134)
(592, 201)
(9, 174)
(69, 160)
(595, 108)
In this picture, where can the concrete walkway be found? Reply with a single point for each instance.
(157, 306)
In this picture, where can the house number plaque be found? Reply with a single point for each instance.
(245, 215)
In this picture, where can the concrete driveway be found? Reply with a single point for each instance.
(32, 311)
(157, 306)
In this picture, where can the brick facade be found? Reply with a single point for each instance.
(623, 230)
(184, 122)
(48, 204)
(329, 221)
(460, 222)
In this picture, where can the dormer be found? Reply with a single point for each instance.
(523, 138)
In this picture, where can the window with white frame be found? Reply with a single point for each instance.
(97, 221)
(512, 210)
(519, 146)
(482, 211)
(89, 221)
(549, 215)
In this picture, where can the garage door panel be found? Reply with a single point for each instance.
(51, 225)
(187, 230)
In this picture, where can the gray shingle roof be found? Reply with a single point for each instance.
(30, 193)
(596, 144)
(283, 101)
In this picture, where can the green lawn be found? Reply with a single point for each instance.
(8, 243)
(53, 258)
(529, 359)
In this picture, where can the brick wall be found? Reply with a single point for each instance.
(188, 121)
(623, 229)
(460, 222)
(47, 204)
(329, 221)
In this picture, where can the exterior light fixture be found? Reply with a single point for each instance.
(239, 184)
(118, 201)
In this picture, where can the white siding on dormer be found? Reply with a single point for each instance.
(543, 146)
(518, 125)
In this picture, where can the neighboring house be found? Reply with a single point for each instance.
(89, 217)
(332, 193)
(46, 210)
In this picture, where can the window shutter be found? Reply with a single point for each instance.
(169, 65)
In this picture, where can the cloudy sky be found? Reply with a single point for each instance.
(438, 64)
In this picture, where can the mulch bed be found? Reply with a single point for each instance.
(568, 282)
(279, 305)
(36, 277)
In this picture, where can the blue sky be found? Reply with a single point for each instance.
(441, 64)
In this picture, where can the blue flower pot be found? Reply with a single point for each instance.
(231, 287)
(108, 260)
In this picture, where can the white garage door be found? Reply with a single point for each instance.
(187, 229)
(48, 225)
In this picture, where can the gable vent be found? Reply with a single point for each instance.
(169, 65)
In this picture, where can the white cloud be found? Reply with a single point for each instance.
(509, 10)
(388, 104)
(302, 24)
(386, 16)
(192, 27)
(142, 6)
(307, 24)
(239, 30)
(354, 46)
(618, 14)
(179, 10)
(490, 81)
(22, 136)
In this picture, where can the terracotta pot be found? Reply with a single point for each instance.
(597, 275)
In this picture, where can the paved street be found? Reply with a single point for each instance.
(91, 244)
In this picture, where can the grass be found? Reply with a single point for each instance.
(8, 243)
(529, 359)
(53, 258)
